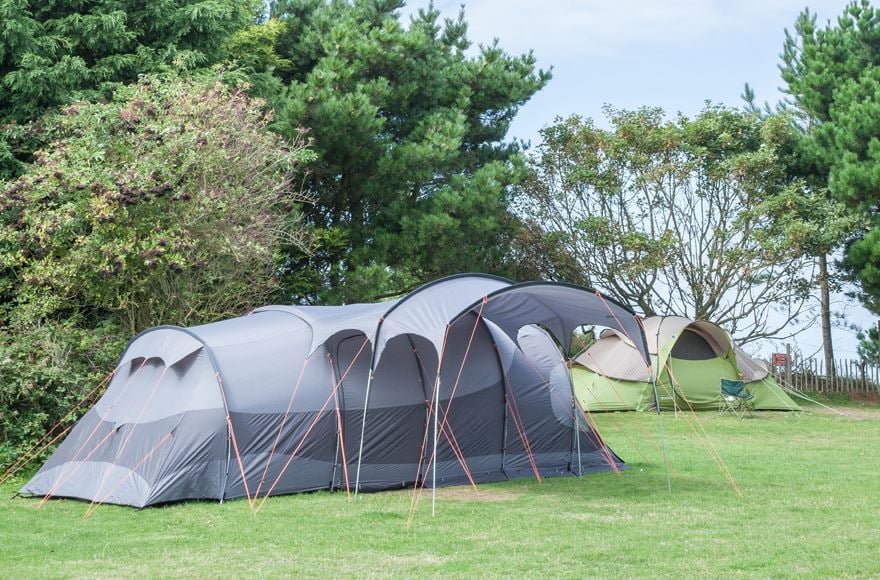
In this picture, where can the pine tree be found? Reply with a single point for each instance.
(408, 122)
(833, 77)
(56, 51)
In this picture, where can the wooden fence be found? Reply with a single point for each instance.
(848, 376)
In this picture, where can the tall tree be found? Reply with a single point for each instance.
(55, 51)
(413, 174)
(660, 213)
(832, 75)
(807, 219)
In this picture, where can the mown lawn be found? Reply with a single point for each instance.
(810, 506)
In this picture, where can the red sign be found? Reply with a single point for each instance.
(780, 359)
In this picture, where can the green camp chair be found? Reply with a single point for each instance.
(735, 398)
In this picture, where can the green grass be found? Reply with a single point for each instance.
(811, 506)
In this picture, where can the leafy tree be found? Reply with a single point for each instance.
(660, 213)
(169, 204)
(53, 52)
(833, 78)
(413, 175)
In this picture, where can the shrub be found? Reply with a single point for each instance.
(168, 205)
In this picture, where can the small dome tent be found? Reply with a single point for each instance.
(291, 399)
(688, 359)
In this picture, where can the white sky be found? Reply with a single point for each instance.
(675, 54)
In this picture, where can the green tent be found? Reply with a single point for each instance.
(689, 358)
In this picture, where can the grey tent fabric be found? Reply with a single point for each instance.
(274, 402)
(428, 310)
(561, 308)
(327, 322)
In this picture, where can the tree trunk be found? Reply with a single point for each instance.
(825, 306)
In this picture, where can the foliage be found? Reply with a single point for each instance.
(165, 205)
(833, 78)
(54, 52)
(869, 345)
(412, 178)
(169, 204)
(45, 370)
(808, 479)
(661, 213)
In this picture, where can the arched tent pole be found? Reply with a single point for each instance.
(336, 452)
(660, 365)
(231, 443)
(585, 289)
(122, 360)
(436, 415)
(357, 479)
(576, 420)
(373, 358)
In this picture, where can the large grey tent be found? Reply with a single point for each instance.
(274, 402)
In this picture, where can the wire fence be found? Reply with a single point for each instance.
(847, 376)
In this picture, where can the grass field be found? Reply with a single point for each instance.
(810, 506)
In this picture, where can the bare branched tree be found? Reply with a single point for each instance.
(660, 214)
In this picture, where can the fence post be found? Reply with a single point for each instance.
(844, 376)
(788, 365)
(815, 379)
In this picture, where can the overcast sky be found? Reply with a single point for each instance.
(674, 54)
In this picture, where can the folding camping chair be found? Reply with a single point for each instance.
(735, 398)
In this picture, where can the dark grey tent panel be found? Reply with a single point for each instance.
(692, 346)
(275, 402)
(560, 308)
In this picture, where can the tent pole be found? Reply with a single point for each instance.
(228, 460)
(335, 457)
(434, 460)
(504, 388)
(504, 440)
(577, 425)
(674, 400)
(339, 433)
(662, 431)
(357, 480)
